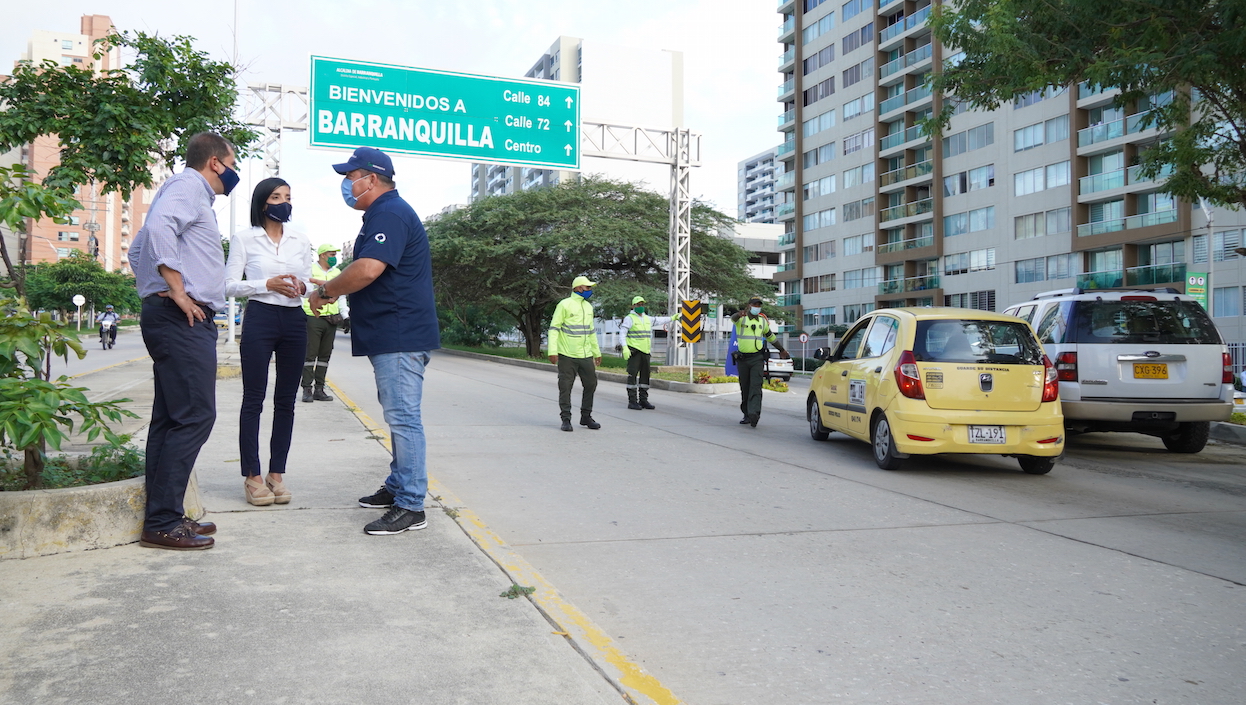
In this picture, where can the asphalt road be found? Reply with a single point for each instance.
(757, 565)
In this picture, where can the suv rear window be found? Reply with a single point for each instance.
(994, 342)
(1160, 322)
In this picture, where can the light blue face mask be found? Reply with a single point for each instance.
(347, 195)
(755, 310)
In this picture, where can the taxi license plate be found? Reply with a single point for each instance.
(1150, 370)
(987, 434)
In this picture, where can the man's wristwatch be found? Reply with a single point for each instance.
(322, 293)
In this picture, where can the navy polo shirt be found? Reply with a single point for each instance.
(396, 312)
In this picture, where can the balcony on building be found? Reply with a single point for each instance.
(1132, 222)
(787, 90)
(786, 266)
(1100, 186)
(786, 150)
(787, 6)
(902, 139)
(893, 71)
(912, 97)
(906, 210)
(902, 245)
(1107, 279)
(890, 36)
(1109, 135)
(789, 300)
(785, 181)
(908, 284)
(898, 178)
(787, 120)
(787, 30)
(787, 241)
(1152, 274)
(787, 61)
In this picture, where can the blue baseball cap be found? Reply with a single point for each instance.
(368, 159)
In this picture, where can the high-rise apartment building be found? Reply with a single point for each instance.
(756, 178)
(104, 226)
(1040, 194)
(619, 85)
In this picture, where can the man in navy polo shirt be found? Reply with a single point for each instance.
(393, 322)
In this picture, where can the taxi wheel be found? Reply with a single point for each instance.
(1036, 465)
(816, 429)
(885, 453)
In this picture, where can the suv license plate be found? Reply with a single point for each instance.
(1150, 370)
(987, 434)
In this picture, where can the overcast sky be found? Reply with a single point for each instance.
(730, 61)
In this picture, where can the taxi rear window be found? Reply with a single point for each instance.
(1161, 322)
(994, 342)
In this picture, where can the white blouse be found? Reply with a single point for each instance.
(254, 259)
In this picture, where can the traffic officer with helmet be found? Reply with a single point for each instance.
(573, 347)
(321, 327)
(752, 332)
(637, 331)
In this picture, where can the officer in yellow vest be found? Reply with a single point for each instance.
(752, 332)
(637, 330)
(573, 347)
(321, 327)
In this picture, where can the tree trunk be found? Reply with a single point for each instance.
(33, 465)
(532, 331)
(17, 278)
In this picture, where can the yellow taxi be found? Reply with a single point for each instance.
(922, 381)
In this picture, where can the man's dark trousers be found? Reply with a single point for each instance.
(568, 369)
(320, 338)
(638, 373)
(751, 367)
(184, 410)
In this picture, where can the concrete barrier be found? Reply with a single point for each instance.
(45, 522)
(1228, 432)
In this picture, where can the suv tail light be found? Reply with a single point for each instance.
(1227, 376)
(1066, 367)
(1051, 380)
(908, 380)
(1139, 298)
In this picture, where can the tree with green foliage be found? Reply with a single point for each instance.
(1192, 50)
(518, 253)
(53, 286)
(112, 126)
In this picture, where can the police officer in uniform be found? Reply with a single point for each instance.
(752, 332)
(637, 331)
(573, 347)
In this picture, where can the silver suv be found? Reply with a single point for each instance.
(1146, 361)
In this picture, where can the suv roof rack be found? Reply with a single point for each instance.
(1075, 291)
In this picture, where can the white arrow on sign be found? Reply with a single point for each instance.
(568, 148)
(569, 101)
(568, 124)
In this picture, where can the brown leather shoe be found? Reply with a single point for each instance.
(181, 538)
(203, 528)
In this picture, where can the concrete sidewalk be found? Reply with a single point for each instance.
(295, 604)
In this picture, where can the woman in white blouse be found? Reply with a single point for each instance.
(270, 264)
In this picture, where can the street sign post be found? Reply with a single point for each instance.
(78, 300)
(442, 114)
(804, 349)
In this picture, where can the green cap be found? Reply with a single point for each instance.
(638, 300)
(327, 248)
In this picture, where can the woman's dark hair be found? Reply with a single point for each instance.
(259, 198)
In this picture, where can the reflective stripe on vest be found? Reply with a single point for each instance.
(640, 335)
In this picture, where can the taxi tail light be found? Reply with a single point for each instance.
(919, 438)
(1227, 376)
(1066, 367)
(908, 380)
(1051, 380)
(1053, 439)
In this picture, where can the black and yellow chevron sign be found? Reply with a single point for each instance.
(690, 320)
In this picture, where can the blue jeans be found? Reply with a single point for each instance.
(399, 387)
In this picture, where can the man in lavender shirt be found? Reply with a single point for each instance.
(179, 265)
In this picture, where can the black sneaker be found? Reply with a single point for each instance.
(396, 521)
(383, 499)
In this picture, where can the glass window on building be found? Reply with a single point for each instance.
(1226, 301)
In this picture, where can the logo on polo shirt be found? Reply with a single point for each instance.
(380, 237)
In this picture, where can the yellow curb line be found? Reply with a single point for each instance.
(590, 640)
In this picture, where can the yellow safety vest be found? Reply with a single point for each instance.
(752, 333)
(318, 273)
(640, 335)
(571, 330)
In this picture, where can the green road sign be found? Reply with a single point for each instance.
(524, 122)
(1196, 284)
